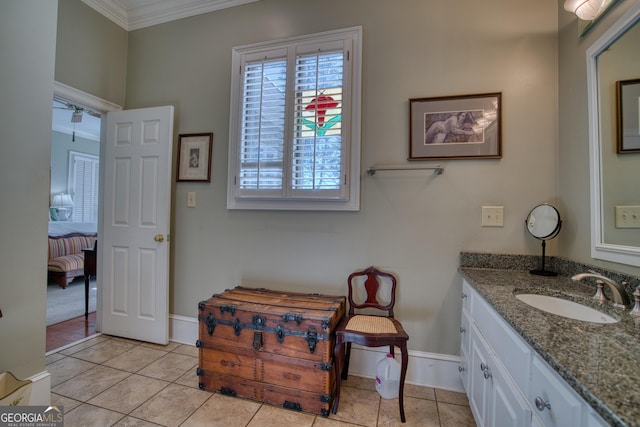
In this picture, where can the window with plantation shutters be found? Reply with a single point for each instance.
(295, 123)
(83, 186)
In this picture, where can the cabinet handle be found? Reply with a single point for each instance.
(463, 295)
(483, 367)
(462, 330)
(541, 404)
(460, 369)
(487, 374)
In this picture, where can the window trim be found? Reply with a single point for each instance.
(353, 94)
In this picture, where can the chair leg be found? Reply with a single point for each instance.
(403, 374)
(347, 357)
(337, 363)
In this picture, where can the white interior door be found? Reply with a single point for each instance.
(134, 248)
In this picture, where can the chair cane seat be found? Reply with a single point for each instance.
(371, 325)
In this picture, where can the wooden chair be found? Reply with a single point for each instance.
(369, 330)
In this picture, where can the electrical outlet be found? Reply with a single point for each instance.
(191, 199)
(493, 216)
(627, 216)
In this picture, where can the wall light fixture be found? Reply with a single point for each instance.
(586, 9)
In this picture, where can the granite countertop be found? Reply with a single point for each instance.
(601, 362)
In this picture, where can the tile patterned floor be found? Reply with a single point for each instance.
(109, 381)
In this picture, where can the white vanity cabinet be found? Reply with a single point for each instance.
(506, 381)
(494, 397)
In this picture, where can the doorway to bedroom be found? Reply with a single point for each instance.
(73, 219)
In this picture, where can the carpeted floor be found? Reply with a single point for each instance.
(65, 304)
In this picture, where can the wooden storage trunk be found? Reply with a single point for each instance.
(270, 346)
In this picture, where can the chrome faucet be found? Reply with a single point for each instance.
(620, 296)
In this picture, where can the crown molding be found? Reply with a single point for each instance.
(136, 14)
(112, 9)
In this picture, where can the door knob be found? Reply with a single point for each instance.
(159, 238)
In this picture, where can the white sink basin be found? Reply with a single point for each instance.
(565, 308)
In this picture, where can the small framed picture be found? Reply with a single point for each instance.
(194, 157)
(628, 106)
(455, 127)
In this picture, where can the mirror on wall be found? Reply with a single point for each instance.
(615, 191)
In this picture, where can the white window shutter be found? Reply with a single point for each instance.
(263, 125)
(83, 180)
(294, 123)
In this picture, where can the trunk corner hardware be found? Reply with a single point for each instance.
(227, 391)
(211, 323)
(295, 406)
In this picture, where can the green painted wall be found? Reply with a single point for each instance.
(27, 51)
(91, 52)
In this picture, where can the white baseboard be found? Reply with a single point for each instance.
(425, 369)
(183, 329)
(40, 389)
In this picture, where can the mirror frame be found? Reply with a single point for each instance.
(556, 229)
(629, 255)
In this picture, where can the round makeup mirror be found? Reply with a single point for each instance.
(543, 223)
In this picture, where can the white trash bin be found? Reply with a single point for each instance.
(14, 392)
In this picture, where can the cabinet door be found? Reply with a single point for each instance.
(479, 386)
(495, 400)
(464, 370)
(507, 405)
(465, 331)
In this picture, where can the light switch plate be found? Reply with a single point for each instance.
(627, 216)
(493, 216)
(191, 199)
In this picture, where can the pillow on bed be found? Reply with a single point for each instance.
(53, 214)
